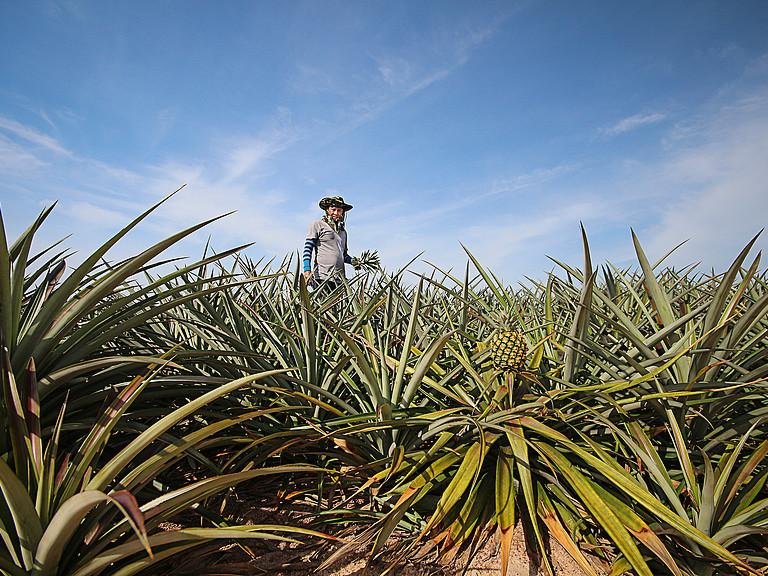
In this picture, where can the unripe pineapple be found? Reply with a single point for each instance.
(508, 350)
(508, 347)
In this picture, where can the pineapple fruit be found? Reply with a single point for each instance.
(508, 350)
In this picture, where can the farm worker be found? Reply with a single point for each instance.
(327, 238)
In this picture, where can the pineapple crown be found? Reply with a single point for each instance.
(503, 319)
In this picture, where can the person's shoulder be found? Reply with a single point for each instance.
(317, 228)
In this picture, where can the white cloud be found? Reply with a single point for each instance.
(716, 187)
(249, 156)
(476, 37)
(393, 76)
(44, 115)
(16, 159)
(535, 177)
(708, 185)
(498, 188)
(520, 242)
(88, 213)
(395, 71)
(633, 122)
(499, 226)
(32, 136)
(97, 198)
(510, 243)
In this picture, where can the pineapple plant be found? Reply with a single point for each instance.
(368, 261)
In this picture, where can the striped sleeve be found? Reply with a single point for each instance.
(309, 245)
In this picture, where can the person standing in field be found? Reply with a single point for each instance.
(327, 239)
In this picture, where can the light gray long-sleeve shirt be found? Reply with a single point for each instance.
(330, 249)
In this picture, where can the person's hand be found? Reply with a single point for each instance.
(307, 275)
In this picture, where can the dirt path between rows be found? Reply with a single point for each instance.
(485, 562)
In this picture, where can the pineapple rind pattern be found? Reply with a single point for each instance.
(508, 350)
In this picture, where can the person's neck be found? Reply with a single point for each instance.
(335, 224)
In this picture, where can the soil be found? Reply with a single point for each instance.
(265, 557)
(233, 560)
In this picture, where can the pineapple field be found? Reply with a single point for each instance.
(156, 411)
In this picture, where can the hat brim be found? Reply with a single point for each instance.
(346, 207)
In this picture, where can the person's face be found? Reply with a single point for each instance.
(336, 213)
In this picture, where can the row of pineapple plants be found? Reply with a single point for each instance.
(618, 411)
(106, 434)
(403, 370)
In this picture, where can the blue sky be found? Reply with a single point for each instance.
(500, 125)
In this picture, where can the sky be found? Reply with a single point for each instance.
(500, 126)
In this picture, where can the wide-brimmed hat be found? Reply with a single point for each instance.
(334, 202)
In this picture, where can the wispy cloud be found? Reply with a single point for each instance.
(248, 156)
(85, 212)
(535, 177)
(508, 241)
(392, 76)
(716, 193)
(97, 197)
(499, 220)
(16, 159)
(545, 228)
(409, 73)
(633, 122)
(492, 192)
(32, 136)
(706, 184)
